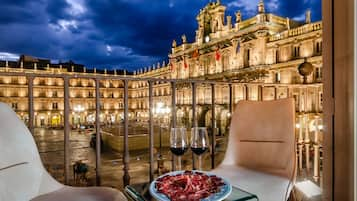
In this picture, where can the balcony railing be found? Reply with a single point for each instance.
(151, 81)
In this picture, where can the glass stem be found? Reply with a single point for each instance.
(199, 162)
(178, 162)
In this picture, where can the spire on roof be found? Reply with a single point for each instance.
(261, 7)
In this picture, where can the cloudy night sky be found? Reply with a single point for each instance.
(115, 33)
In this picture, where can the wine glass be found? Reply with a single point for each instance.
(178, 143)
(199, 142)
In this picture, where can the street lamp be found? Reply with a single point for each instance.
(161, 111)
(78, 109)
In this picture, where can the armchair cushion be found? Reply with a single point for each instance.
(24, 178)
(82, 194)
(266, 186)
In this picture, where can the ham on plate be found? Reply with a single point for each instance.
(188, 186)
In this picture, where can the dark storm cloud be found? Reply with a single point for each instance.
(116, 33)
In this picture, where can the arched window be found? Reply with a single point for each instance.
(246, 57)
(225, 62)
(318, 47)
(296, 51)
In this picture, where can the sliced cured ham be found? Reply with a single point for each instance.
(188, 186)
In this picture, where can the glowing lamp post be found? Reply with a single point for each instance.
(78, 109)
(161, 111)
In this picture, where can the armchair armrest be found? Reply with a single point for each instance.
(132, 194)
(13, 165)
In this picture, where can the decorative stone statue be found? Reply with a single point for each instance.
(184, 39)
(261, 7)
(174, 44)
(288, 22)
(238, 17)
(308, 16)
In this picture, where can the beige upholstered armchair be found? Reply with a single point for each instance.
(22, 175)
(260, 156)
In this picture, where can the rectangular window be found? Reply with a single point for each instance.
(318, 47)
(54, 106)
(296, 51)
(277, 77)
(277, 58)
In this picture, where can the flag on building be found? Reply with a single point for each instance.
(185, 65)
(195, 53)
(218, 55)
(172, 66)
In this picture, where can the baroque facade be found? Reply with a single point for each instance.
(261, 54)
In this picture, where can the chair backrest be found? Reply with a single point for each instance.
(22, 175)
(262, 137)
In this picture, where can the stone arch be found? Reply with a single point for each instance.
(224, 121)
(202, 116)
(183, 117)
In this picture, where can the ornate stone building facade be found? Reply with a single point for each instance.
(266, 56)
(262, 54)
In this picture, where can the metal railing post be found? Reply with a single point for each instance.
(98, 132)
(260, 93)
(174, 118)
(30, 104)
(194, 119)
(275, 93)
(151, 132)
(230, 98)
(213, 136)
(194, 116)
(126, 176)
(67, 130)
(287, 92)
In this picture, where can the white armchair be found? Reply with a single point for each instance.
(22, 175)
(260, 156)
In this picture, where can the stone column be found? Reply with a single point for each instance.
(300, 141)
(300, 100)
(307, 143)
(316, 151)
(305, 99)
(317, 100)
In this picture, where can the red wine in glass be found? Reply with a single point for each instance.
(199, 142)
(178, 151)
(178, 143)
(199, 150)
